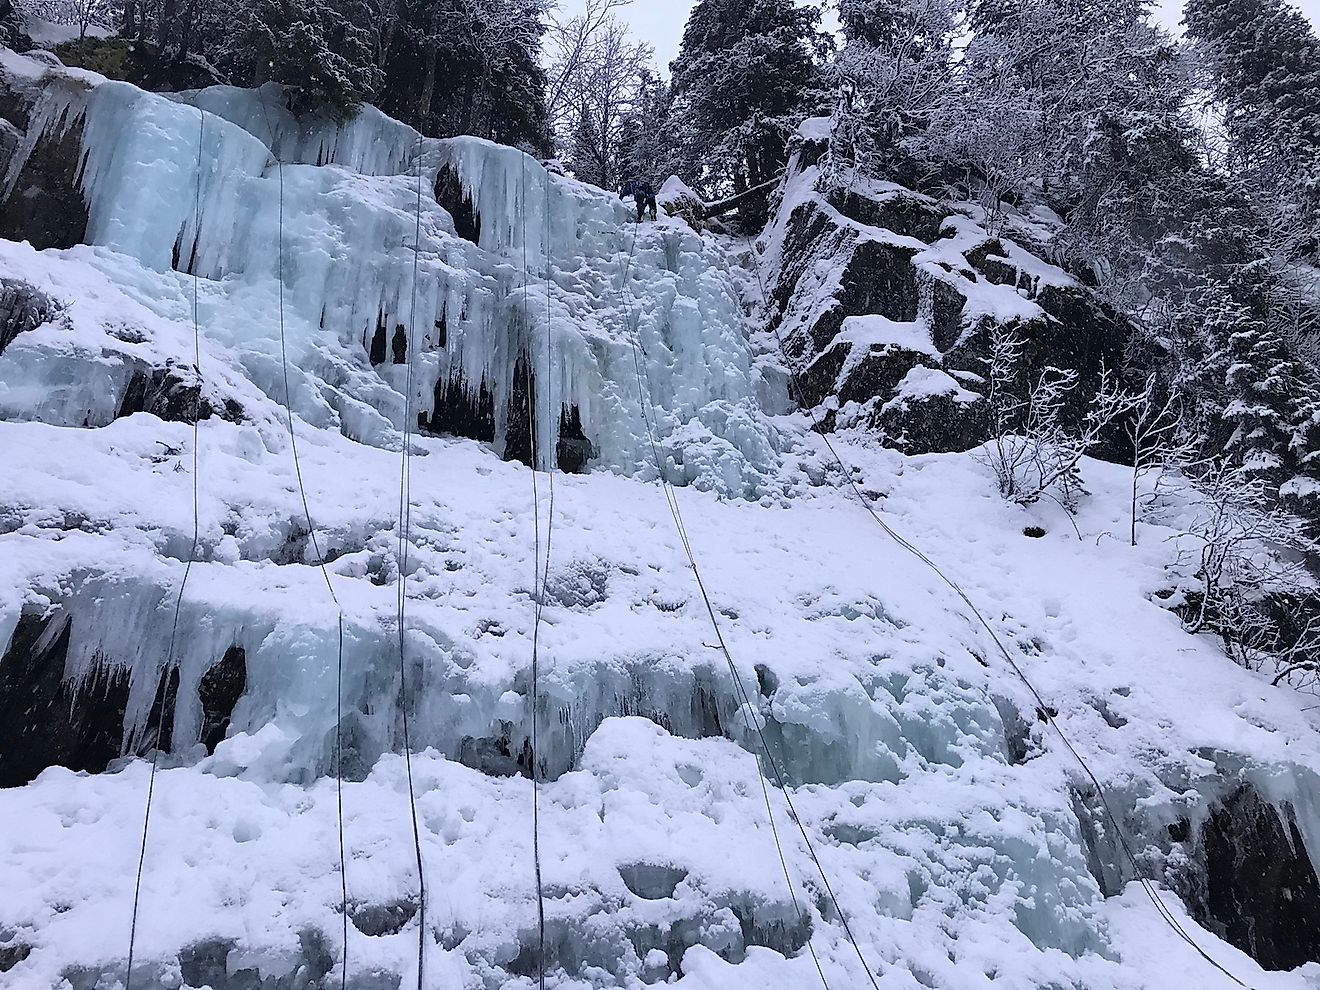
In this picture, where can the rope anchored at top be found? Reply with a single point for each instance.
(1045, 711)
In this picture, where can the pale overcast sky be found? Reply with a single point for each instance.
(660, 22)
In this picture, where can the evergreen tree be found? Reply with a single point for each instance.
(645, 135)
(585, 151)
(896, 72)
(743, 79)
(468, 67)
(319, 46)
(1263, 66)
(1271, 398)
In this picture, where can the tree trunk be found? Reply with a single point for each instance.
(166, 22)
(387, 42)
(428, 86)
(185, 32)
(736, 200)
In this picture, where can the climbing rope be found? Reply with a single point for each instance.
(539, 576)
(405, 525)
(1044, 711)
(748, 709)
(320, 560)
(187, 569)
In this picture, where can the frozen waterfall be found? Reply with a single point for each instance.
(548, 289)
(959, 840)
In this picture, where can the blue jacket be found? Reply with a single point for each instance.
(638, 189)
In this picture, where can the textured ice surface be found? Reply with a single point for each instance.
(356, 199)
(945, 816)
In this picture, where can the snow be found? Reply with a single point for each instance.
(675, 190)
(881, 332)
(924, 383)
(959, 862)
(815, 128)
(49, 34)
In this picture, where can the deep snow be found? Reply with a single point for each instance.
(942, 810)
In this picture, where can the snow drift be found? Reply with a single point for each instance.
(960, 840)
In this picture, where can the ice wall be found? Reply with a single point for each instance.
(349, 235)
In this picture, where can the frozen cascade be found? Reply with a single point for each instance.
(956, 837)
(550, 250)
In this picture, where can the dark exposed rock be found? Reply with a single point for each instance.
(898, 211)
(47, 720)
(878, 372)
(496, 756)
(160, 718)
(382, 919)
(880, 278)
(15, 105)
(206, 964)
(936, 423)
(220, 689)
(520, 434)
(946, 317)
(1104, 856)
(22, 308)
(819, 379)
(574, 450)
(11, 139)
(460, 411)
(359, 746)
(13, 954)
(852, 253)
(173, 395)
(449, 193)
(379, 341)
(45, 205)
(650, 881)
(1262, 894)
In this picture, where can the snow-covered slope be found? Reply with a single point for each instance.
(959, 837)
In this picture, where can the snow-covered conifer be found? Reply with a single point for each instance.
(744, 77)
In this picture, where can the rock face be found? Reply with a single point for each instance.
(173, 394)
(22, 308)
(41, 200)
(1261, 892)
(46, 720)
(50, 718)
(874, 281)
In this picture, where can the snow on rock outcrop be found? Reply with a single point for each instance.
(874, 251)
(960, 840)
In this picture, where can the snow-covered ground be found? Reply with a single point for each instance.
(943, 812)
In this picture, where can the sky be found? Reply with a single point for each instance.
(660, 22)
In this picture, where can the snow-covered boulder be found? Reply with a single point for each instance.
(679, 200)
(846, 250)
(932, 411)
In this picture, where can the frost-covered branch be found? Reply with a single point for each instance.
(1036, 445)
(86, 14)
(1159, 439)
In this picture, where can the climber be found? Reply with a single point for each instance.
(643, 195)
